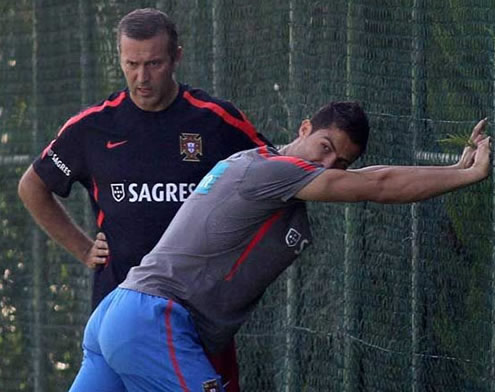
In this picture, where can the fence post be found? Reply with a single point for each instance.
(36, 252)
(291, 288)
(492, 359)
(86, 66)
(353, 215)
(418, 90)
(217, 47)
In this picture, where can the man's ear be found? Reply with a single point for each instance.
(178, 57)
(305, 129)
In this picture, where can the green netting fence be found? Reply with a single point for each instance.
(390, 298)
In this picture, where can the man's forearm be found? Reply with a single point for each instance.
(379, 167)
(403, 184)
(60, 227)
(389, 184)
(50, 215)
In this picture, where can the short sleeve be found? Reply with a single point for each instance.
(277, 177)
(62, 162)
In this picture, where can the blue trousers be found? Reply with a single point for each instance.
(138, 342)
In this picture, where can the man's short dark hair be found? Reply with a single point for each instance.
(347, 116)
(146, 23)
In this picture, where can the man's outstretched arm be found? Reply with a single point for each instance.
(467, 158)
(397, 184)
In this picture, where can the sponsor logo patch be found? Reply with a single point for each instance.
(111, 145)
(292, 237)
(191, 146)
(118, 192)
(211, 386)
(154, 192)
(58, 162)
(212, 177)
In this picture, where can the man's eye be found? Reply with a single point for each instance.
(326, 148)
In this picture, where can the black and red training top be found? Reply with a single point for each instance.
(139, 166)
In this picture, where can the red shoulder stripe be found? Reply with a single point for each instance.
(244, 125)
(113, 103)
(263, 151)
(116, 102)
(47, 148)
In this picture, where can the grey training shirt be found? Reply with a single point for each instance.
(239, 230)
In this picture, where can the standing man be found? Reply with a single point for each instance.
(243, 225)
(139, 154)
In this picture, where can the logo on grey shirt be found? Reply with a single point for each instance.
(292, 237)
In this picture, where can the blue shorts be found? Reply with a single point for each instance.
(138, 342)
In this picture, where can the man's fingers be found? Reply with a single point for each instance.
(478, 138)
(101, 236)
(485, 142)
(483, 148)
(101, 241)
(478, 129)
(99, 252)
(480, 126)
(100, 260)
(97, 260)
(101, 245)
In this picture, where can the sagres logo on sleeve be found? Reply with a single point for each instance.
(191, 146)
(58, 162)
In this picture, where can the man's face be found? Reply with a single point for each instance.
(149, 71)
(330, 147)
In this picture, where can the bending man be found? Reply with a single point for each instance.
(242, 226)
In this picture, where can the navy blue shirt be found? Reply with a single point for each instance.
(139, 166)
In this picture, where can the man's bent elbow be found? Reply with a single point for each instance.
(30, 187)
(23, 188)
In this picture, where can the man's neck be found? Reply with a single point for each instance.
(286, 150)
(171, 97)
(164, 103)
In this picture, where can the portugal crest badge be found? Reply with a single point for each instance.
(191, 146)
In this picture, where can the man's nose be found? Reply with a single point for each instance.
(143, 74)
